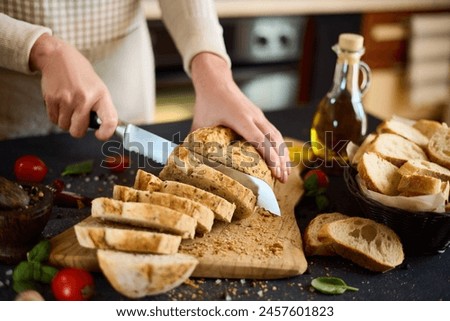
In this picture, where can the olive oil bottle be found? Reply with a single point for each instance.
(340, 115)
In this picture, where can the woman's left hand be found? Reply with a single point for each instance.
(219, 101)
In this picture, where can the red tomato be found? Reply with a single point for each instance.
(117, 163)
(72, 284)
(322, 178)
(30, 168)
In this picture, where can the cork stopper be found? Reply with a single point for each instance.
(351, 42)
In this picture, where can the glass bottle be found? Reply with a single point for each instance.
(340, 115)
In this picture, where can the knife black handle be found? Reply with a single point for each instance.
(94, 121)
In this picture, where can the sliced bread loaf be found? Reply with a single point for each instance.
(140, 275)
(423, 167)
(312, 244)
(100, 234)
(146, 181)
(439, 147)
(201, 213)
(183, 166)
(225, 146)
(396, 149)
(365, 242)
(152, 216)
(402, 129)
(379, 174)
(222, 209)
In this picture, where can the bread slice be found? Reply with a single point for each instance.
(224, 145)
(312, 244)
(139, 275)
(428, 127)
(201, 213)
(183, 166)
(439, 147)
(379, 175)
(402, 129)
(99, 234)
(152, 216)
(146, 181)
(365, 146)
(423, 167)
(413, 185)
(396, 149)
(222, 209)
(365, 242)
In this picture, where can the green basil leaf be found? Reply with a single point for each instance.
(20, 286)
(331, 285)
(322, 202)
(23, 272)
(311, 183)
(84, 167)
(40, 252)
(47, 273)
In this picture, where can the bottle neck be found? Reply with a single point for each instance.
(346, 75)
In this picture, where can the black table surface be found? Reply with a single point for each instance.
(418, 278)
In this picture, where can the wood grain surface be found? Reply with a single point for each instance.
(262, 246)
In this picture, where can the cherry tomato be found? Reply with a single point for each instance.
(319, 176)
(72, 284)
(30, 168)
(117, 163)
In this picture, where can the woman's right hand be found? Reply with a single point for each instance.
(71, 89)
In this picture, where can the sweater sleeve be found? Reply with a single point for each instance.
(16, 40)
(194, 27)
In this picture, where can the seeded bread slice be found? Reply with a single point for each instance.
(439, 147)
(146, 181)
(396, 149)
(202, 214)
(406, 131)
(379, 175)
(365, 242)
(224, 145)
(152, 216)
(312, 244)
(185, 167)
(426, 168)
(140, 275)
(99, 234)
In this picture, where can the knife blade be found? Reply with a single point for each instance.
(157, 148)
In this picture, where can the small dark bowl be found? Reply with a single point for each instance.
(21, 229)
(421, 233)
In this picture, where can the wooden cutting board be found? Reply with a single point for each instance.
(262, 246)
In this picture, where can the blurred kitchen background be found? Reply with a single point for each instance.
(282, 57)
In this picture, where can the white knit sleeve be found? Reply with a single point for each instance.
(16, 40)
(194, 27)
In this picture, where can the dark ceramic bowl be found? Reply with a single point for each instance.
(21, 229)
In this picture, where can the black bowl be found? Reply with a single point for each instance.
(21, 229)
(421, 233)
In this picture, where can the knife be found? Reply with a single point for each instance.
(157, 148)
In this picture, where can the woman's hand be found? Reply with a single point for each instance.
(71, 88)
(219, 101)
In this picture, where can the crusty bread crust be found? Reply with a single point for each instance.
(419, 185)
(312, 244)
(183, 166)
(140, 275)
(225, 146)
(99, 234)
(428, 127)
(406, 131)
(202, 214)
(426, 168)
(365, 242)
(146, 181)
(439, 147)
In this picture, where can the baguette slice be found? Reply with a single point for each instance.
(406, 131)
(146, 181)
(413, 185)
(313, 246)
(203, 215)
(428, 127)
(222, 209)
(365, 242)
(183, 166)
(99, 234)
(396, 149)
(140, 275)
(144, 215)
(439, 147)
(423, 167)
(379, 175)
